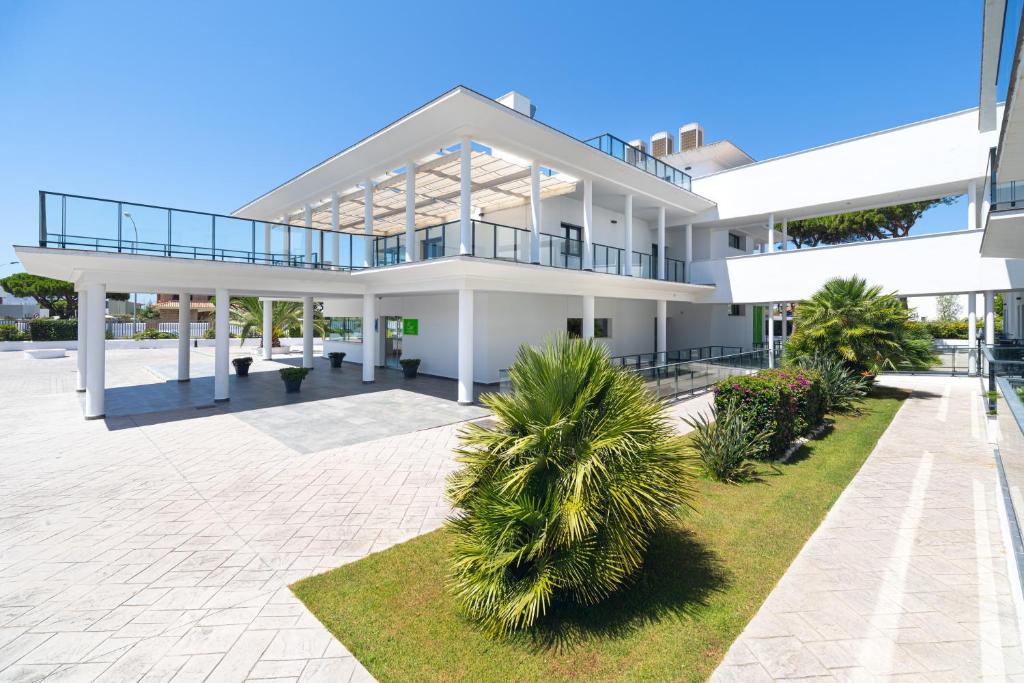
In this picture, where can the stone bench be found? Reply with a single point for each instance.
(45, 353)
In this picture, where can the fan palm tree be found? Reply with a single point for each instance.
(558, 499)
(859, 324)
(247, 312)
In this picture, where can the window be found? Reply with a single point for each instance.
(602, 328)
(737, 309)
(347, 329)
(737, 242)
(573, 239)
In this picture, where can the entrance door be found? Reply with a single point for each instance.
(392, 341)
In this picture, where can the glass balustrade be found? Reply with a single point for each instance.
(613, 146)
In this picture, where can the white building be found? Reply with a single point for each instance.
(491, 229)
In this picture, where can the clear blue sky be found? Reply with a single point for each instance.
(205, 105)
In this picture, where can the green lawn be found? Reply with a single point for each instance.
(702, 582)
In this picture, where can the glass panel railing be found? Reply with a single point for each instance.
(675, 270)
(1007, 196)
(75, 222)
(613, 146)
(608, 259)
(642, 265)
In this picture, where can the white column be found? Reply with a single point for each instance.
(661, 342)
(335, 237)
(771, 233)
(972, 205)
(410, 212)
(368, 223)
(465, 346)
(287, 240)
(627, 212)
(689, 251)
(972, 332)
(771, 335)
(184, 335)
(96, 329)
(661, 242)
(267, 243)
(83, 337)
(588, 224)
(785, 322)
(268, 329)
(466, 197)
(587, 324)
(307, 331)
(369, 337)
(990, 318)
(535, 211)
(307, 220)
(220, 356)
(785, 234)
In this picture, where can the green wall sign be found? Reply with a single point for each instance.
(410, 327)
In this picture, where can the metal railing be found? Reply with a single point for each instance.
(68, 221)
(613, 146)
(638, 361)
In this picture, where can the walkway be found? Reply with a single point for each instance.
(907, 575)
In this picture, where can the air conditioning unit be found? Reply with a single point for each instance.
(661, 144)
(691, 136)
(636, 151)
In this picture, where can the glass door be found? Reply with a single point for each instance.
(392, 341)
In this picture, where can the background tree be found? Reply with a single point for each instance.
(247, 312)
(948, 307)
(858, 226)
(58, 296)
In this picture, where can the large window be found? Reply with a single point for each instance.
(737, 309)
(573, 239)
(737, 242)
(602, 328)
(347, 329)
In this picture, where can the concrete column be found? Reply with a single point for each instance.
(661, 343)
(368, 223)
(771, 335)
(221, 356)
(587, 324)
(184, 335)
(95, 349)
(661, 242)
(287, 240)
(465, 347)
(267, 243)
(972, 205)
(535, 211)
(307, 220)
(335, 237)
(689, 251)
(268, 329)
(466, 197)
(627, 212)
(307, 331)
(369, 337)
(410, 212)
(83, 338)
(990, 318)
(588, 224)
(771, 233)
(785, 322)
(972, 332)
(785, 235)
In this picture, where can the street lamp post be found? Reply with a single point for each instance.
(135, 295)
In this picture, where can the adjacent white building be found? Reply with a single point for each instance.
(469, 227)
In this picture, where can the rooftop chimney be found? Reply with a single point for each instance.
(519, 102)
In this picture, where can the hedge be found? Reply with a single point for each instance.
(785, 403)
(53, 329)
(944, 329)
(11, 333)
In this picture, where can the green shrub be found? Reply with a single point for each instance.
(53, 329)
(725, 444)
(841, 389)
(557, 499)
(151, 333)
(810, 400)
(11, 333)
(289, 374)
(766, 402)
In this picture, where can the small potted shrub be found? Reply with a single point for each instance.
(410, 366)
(242, 365)
(293, 378)
(336, 358)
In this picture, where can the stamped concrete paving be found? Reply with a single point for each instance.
(907, 576)
(159, 547)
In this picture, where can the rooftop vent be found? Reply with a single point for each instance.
(519, 102)
(661, 144)
(691, 136)
(635, 155)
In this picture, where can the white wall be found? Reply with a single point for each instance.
(693, 325)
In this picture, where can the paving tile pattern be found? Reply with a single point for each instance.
(907, 576)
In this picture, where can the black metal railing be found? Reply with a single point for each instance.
(634, 156)
(645, 360)
(1003, 196)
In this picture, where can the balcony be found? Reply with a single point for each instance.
(613, 146)
(87, 223)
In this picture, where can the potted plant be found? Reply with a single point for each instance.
(293, 378)
(242, 365)
(410, 366)
(336, 358)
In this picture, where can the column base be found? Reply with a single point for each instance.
(80, 391)
(369, 381)
(187, 379)
(221, 400)
(465, 403)
(96, 417)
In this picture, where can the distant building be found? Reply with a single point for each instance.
(167, 305)
(17, 307)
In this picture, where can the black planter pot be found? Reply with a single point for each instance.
(336, 361)
(292, 386)
(241, 369)
(410, 371)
